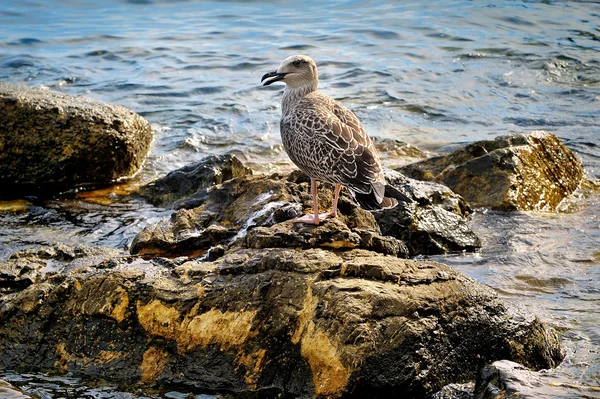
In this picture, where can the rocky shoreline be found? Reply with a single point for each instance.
(229, 295)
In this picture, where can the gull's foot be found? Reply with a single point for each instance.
(310, 218)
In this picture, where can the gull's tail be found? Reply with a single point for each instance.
(391, 197)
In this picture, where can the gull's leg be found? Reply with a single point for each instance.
(314, 218)
(336, 190)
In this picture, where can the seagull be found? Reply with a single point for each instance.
(327, 142)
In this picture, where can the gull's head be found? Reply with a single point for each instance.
(295, 71)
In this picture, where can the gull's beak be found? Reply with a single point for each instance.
(272, 77)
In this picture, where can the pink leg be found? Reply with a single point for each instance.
(314, 218)
(336, 190)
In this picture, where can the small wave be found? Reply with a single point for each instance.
(19, 63)
(517, 21)
(107, 55)
(26, 41)
(377, 33)
(297, 47)
(447, 37)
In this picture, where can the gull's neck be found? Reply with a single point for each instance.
(291, 96)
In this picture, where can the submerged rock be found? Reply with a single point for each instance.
(398, 153)
(257, 212)
(277, 321)
(50, 141)
(188, 187)
(506, 379)
(520, 172)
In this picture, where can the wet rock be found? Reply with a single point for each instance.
(184, 234)
(313, 323)
(230, 209)
(434, 224)
(456, 391)
(8, 391)
(331, 233)
(51, 141)
(257, 212)
(428, 230)
(188, 187)
(398, 153)
(507, 379)
(26, 267)
(520, 172)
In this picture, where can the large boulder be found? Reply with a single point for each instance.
(50, 141)
(535, 171)
(319, 323)
(257, 212)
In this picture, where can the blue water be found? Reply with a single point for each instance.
(434, 74)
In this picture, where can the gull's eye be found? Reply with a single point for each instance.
(297, 63)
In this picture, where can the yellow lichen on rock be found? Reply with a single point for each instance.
(108, 356)
(63, 357)
(159, 319)
(110, 299)
(305, 315)
(340, 244)
(153, 363)
(228, 329)
(253, 363)
(117, 308)
(330, 376)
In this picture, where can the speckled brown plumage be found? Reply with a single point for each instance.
(326, 140)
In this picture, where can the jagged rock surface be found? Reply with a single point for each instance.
(256, 212)
(50, 141)
(520, 172)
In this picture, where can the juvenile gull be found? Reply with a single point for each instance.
(327, 141)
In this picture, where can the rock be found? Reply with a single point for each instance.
(428, 230)
(30, 266)
(398, 152)
(520, 172)
(256, 212)
(331, 233)
(455, 391)
(188, 187)
(183, 235)
(230, 209)
(433, 224)
(8, 391)
(507, 379)
(274, 321)
(51, 141)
